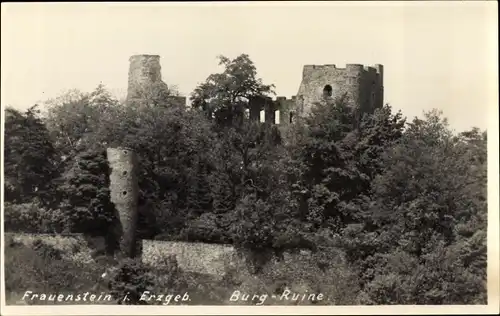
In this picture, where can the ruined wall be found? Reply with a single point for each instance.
(124, 195)
(284, 106)
(362, 85)
(216, 260)
(212, 259)
(258, 104)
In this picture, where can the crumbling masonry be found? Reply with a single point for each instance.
(145, 85)
(363, 86)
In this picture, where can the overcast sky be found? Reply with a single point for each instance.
(436, 54)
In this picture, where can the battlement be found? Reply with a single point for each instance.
(281, 98)
(362, 84)
(370, 69)
(262, 101)
(377, 68)
(143, 57)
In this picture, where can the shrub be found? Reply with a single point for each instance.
(312, 273)
(443, 276)
(130, 279)
(33, 218)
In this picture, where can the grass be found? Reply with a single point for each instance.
(42, 268)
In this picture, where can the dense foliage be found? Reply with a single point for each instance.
(30, 158)
(403, 202)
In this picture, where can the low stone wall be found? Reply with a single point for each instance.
(212, 259)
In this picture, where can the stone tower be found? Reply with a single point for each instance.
(124, 193)
(145, 85)
(364, 86)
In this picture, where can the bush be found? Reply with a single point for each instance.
(299, 272)
(33, 218)
(444, 276)
(130, 279)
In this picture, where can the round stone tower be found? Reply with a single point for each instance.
(124, 193)
(363, 86)
(144, 78)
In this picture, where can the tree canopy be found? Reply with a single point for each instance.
(225, 95)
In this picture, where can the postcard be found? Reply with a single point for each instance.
(250, 158)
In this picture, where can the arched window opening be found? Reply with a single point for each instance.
(276, 117)
(327, 91)
(291, 117)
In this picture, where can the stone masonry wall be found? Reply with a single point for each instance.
(124, 195)
(360, 84)
(212, 259)
(281, 104)
(144, 79)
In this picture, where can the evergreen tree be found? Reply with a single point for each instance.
(30, 159)
(87, 197)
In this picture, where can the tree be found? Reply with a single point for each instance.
(245, 181)
(330, 172)
(414, 244)
(30, 158)
(86, 194)
(247, 170)
(68, 118)
(226, 95)
(75, 114)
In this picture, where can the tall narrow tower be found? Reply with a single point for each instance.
(144, 79)
(124, 195)
(145, 85)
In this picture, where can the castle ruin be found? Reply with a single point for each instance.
(363, 86)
